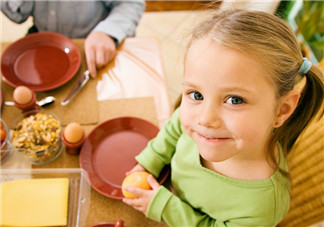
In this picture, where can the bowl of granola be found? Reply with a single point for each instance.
(36, 135)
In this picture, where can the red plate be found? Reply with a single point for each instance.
(41, 61)
(109, 152)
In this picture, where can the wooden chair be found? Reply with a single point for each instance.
(306, 166)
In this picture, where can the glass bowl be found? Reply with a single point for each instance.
(5, 150)
(36, 135)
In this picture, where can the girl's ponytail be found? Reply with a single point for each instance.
(309, 105)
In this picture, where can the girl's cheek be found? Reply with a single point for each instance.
(186, 115)
(247, 127)
(182, 115)
(239, 125)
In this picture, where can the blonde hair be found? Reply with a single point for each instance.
(273, 43)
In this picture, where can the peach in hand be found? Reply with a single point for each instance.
(136, 179)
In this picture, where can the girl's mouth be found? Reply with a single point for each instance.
(212, 139)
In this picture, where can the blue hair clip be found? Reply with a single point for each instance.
(305, 67)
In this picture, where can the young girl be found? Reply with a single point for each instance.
(239, 116)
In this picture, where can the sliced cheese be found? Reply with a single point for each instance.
(34, 202)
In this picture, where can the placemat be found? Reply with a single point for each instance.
(82, 109)
(142, 107)
(136, 71)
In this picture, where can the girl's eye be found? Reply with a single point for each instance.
(235, 100)
(195, 95)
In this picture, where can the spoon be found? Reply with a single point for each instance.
(43, 102)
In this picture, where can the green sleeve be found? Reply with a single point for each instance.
(167, 207)
(160, 150)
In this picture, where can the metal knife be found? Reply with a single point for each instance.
(77, 87)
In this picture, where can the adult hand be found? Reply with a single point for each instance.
(144, 197)
(99, 49)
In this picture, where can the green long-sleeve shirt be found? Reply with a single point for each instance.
(204, 197)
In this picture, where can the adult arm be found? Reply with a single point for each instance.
(17, 11)
(122, 19)
(100, 45)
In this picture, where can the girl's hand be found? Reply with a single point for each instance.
(144, 196)
(138, 167)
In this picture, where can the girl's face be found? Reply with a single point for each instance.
(228, 105)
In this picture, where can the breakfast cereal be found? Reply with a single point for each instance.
(37, 136)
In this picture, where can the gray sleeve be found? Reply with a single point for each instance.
(17, 11)
(122, 20)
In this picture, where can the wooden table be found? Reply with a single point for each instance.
(102, 209)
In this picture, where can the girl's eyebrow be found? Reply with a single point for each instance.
(224, 89)
(236, 89)
(187, 83)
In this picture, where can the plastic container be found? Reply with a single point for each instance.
(5, 151)
(36, 135)
(79, 188)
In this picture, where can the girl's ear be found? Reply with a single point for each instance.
(287, 106)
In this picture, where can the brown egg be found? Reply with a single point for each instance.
(73, 132)
(22, 95)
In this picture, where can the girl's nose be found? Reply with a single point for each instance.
(209, 117)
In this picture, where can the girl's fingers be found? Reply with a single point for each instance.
(144, 197)
(135, 203)
(135, 191)
(153, 182)
(138, 167)
(130, 202)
